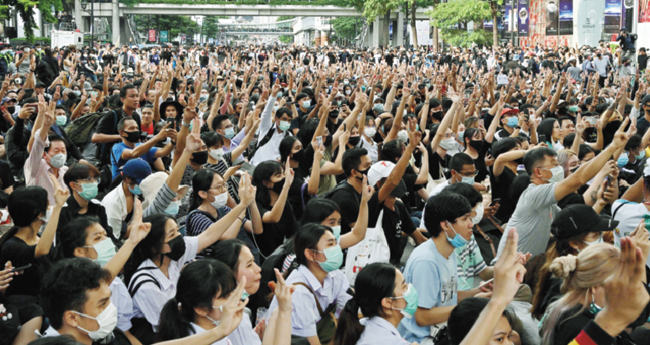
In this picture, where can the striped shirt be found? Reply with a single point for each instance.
(470, 264)
(198, 222)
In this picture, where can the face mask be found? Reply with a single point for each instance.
(284, 125)
(334, 114)
(354, 141)
(461, 136)
(403, 135)
(593, 307)
(177, 246)
(294, 90)
(437, 115)
(467, 180)
(279, 95)
(299, 156)
(476, 144)
(132, 137)
(337, 232)
(573, 108)
(458, 240)
(88, 190)
(370, 131)
(173, 208)
(346, 82)
(215, 322)
(200, 157)
(411, 299)
(623, 159)
(136, 190)
(479, 214)
(512, 122)
(58, 160)
(378, 107)
(76, 93)
(306, 104)
(333, 259)
(278, 186)
(107, 321)
(600, 240)
(217, 154)
(203, 98)
(105, 251)
(11, 110)
(448, 144)
(348, 92)
(558, 174)
(220, 200)
(61, 120)
(363, 172)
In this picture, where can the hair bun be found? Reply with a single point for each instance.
(563, 266)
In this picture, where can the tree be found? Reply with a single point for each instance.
(345, 27)
(210, 27)
(176, 25)
(287, 39)
(25, 9)
(453, 17)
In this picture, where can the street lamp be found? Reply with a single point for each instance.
(84, 5)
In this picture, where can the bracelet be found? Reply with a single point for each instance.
(242, 219)
(185, 124)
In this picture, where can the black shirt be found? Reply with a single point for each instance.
(6, 176)
(21, 254)
(274, 234)
(349, 201)
(501, 190)
(108, 125)
(393, 222)
(70, 211)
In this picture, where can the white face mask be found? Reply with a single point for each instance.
(479, 214)
(448, 144)
(220, 200)
(370, 131)
(403, 135)
(107, 321)
(599, 240)
(216, 154)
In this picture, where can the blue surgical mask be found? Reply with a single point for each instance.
(284, 125)
(458, 240)
(230, 132)
(467, 180)
(279, 95)
(136, 190)
(88, 190)
(61, 120)
(640, 156)
(411, 299)
(306, 104)
(105, 251)
(337, 232)
(512, 122)
(623, 159)
(172, 209)
(333, 258)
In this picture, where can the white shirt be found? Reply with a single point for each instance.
(115, 205)
(197, 329)
(121, 298)
(149, 300)
(380, 331)
(371, 147)
(271, 150)
(629, 214)
(244, 334)
(435, 191)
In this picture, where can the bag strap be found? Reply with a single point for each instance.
(618, 208)
(488, 239)
(496, 225)
(134, 287)
(320, 309)
(267, 137)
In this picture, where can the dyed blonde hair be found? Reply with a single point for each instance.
(563, 157)
(580, 273)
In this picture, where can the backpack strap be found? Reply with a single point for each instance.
(488, 239)
(320, 309)
(134, 287)
(267, 137)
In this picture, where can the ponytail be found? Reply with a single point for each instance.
(348, 328)
(174, 323)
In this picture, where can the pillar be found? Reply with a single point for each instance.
(81, 24)
(115, 27)
(376, 29)
(399, 30)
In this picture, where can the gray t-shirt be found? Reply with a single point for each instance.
(532, 218)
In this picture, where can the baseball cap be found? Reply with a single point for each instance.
(153, 183)
(137, 169)
(578, 219)
(7, 99)
(382, 169)
(509, 111)
(40, 84)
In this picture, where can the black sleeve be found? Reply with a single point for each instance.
(106, 124)
(407, 223)
(72, 148)
(7, 178)
(349, 209)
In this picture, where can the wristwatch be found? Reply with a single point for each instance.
(518, 127)
(186, 124)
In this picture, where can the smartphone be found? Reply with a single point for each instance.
(319, 141)
(610, 180)
(494, 202)
(542, 138)
(172, 121)
(345, 127)
(592, 121)
(18, 269)
(485, 283)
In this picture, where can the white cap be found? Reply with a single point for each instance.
(378, 171)
(153, 183)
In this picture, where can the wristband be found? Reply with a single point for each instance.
(187, 125)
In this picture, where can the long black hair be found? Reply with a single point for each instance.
(201, 181)
(286, 146)
(462, 319)
(25, 205)
(374, 283)
(228, 252)
(307, 237)
(263, 172)
(73, 235)
(199, 283)
(149, 247)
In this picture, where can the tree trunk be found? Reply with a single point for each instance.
(385, 37)
(495, 27)
(414, 7)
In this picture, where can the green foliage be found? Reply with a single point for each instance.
(288, 39)
(283, 18)
(25, 9)
(210, 27)
(339, 3)
(447, 16)
(344, 27)
(20, 41)
(175, 25)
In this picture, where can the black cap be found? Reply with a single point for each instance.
(579, 219)
(40, 84)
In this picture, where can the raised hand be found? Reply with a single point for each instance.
(60, 196)
(233, 309)
(137, 229)
(193, 142)
(283, 293)
(508, 271)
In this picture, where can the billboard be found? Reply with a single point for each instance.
(613, 11)
(644, 11)
(552, 17)
(523, 12)
(163, 36)
(566, 17)
(152, 35)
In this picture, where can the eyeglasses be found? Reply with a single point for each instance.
(469, 174)
(220, 187)
(91, 179)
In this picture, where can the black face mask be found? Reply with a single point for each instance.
(299, 156)
(437, 115)
(354, 141)
(277, 186)
(363, 172)
(177, 246)
(11, 109)
(519, 160)
(334, 114)
(133, 137)
(200, 157)
(476, 144)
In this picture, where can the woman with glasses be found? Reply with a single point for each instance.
(83, 181)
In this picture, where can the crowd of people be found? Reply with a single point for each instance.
(274, 195)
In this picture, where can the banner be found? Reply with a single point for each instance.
(566, 17)
(152, 35)
(507, 17)
(163, 36)
(522, 17)
(644, 11)
(590, 21)
(552, 18)
(613, 10)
